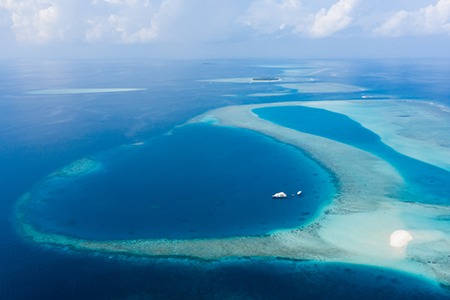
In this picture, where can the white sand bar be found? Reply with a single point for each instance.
(420, 130)
(322, 87)
(364, 224)
(83, 91)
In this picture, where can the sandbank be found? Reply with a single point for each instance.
(244, 80)
(83, 91)
(275, 94)
(356, 227)
(417, 129)
(322, 87)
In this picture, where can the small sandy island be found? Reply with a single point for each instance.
(265, 79)
(365, 223)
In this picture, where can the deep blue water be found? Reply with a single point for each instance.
(426, 183)
(42, 133)
(199, 181)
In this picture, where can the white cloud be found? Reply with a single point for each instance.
(293, 16)
(429, 20)
(272, 16)
(336, 18)
(126, 21)
(142, 21)
(198, 20)
(209, 21)
(44, 21)
(34, 20)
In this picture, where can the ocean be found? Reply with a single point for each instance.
(159, 178)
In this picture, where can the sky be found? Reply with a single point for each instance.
(224, 28)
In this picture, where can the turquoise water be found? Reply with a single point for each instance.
(198, 181)
(426, 183)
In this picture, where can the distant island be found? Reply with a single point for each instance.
(266, 79)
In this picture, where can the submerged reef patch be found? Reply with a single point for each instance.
(78, 168)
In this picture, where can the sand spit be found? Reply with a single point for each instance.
(417, 129)
(321, 87)
(76, 91)
(357, 227)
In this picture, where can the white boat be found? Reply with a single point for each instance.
(299, 193)
(279, 195)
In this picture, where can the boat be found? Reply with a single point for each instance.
(299, 193)
(279, 195)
